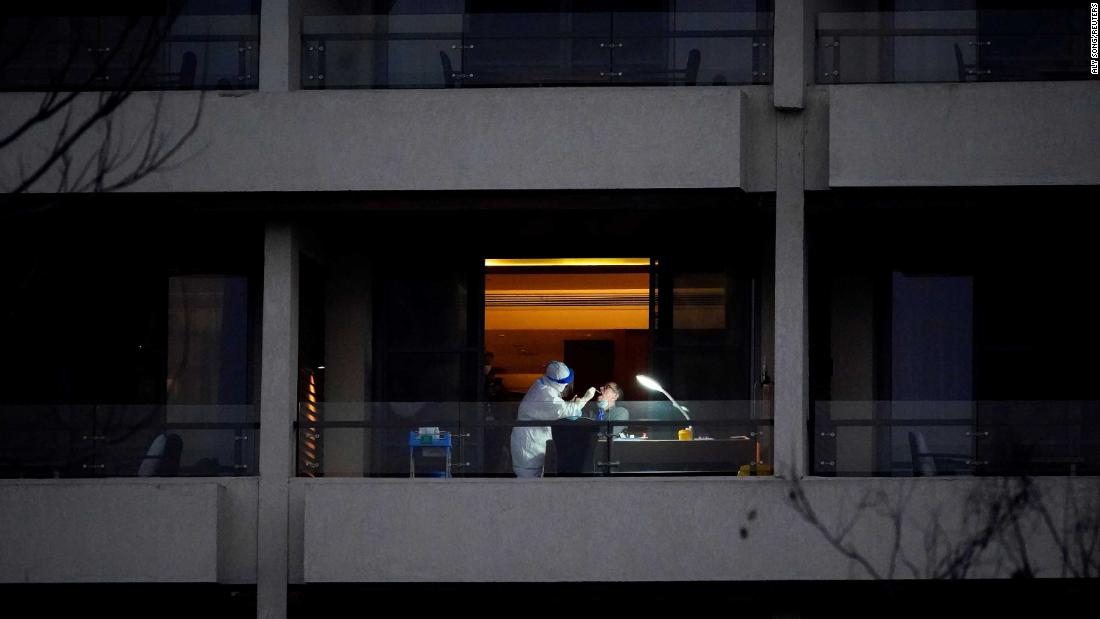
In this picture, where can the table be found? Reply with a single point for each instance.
(659, 456)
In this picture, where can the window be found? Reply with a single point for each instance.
(451, 332)
(126, 352)
(951, 339)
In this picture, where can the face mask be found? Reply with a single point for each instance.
(602, 404)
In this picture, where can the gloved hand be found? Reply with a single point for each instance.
(588, 395)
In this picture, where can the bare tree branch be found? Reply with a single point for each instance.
(801, 504)
(91, 149)
(999, 513)
(112, 154)
(51, 104)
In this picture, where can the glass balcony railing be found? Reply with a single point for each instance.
(952, 46)
(707, 43)
(384, 439)
(40, 441)
(861, 438)
(185, 52)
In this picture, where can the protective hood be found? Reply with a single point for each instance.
(558, 376)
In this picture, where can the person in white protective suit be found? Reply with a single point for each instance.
(543, 401)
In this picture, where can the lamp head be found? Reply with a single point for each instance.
(649, 383)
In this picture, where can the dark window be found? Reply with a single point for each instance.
(115, 337)
(959, 330)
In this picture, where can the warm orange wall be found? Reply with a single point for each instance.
(495, 282)
(520, 356)
(568, 316)
(523, 339)
(551, 318)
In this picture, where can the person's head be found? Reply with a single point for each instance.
(558, 375)
(610, 392)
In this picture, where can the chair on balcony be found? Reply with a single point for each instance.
(929, 464)
(448, 70)
(184, 79)
(163, 457)
(964, 68)
(689, 75)
(188, 66)
(572, 451)
(691, 70)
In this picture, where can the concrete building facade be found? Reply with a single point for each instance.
(962, 194)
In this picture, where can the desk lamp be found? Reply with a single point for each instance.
(653, 385)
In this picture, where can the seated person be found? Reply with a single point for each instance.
(606, 398)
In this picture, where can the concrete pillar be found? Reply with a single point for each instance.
(791, 337)
(278, 399)
(280, 45)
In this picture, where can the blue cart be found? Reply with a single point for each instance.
(430, 446)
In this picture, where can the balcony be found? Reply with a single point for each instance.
(970, 438)
(63, 441)
(195, 49)
(970, 45)
(384, 439)
(469, 45)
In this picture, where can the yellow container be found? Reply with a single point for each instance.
(684, 435)
(748, 470)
